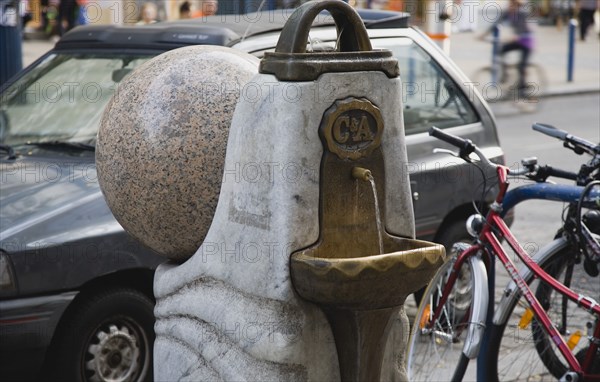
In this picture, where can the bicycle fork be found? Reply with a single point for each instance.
(478, 310)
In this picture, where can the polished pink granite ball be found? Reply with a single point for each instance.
(162, 141)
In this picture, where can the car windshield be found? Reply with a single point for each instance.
(62, 98)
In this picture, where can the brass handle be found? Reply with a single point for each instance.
(352, 33)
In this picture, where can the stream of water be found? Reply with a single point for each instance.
(377, 213)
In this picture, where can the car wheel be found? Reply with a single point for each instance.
(107, 336)
(456, 232)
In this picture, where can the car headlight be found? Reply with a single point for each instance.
(8, 283)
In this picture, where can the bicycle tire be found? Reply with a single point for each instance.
(505, 88)
(493, 90)
(440, 354)
(519, 347)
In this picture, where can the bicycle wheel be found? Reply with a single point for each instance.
(536, 84)
(520, 349)
(437, 353)
(495, 90)
(506, 86)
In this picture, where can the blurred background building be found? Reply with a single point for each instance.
(42, 14)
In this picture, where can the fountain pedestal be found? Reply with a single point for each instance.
(360, 341)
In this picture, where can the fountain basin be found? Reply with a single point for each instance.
(366, 283)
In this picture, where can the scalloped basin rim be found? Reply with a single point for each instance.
(365, 283)
(410, 260)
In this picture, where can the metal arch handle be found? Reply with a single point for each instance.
(351, 30)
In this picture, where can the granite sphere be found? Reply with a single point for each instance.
(161, 145)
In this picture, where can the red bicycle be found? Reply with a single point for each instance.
(523, 341)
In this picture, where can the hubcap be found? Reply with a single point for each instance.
(114, 354)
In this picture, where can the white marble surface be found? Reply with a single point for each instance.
(230, 311)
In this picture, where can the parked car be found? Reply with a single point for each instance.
(75, 290)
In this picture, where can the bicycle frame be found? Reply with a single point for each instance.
(489, 243)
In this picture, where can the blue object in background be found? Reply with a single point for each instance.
(546, 191)
(11, 56)
(495, 52)
(571, 54)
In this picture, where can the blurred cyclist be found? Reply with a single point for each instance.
(518, 17)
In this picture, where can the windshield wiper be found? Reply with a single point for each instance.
(64, 145)
(9, 150)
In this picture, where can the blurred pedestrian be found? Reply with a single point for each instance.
(148, 14)
(82, 12)
(185, 10)
(25, 13)
(207, 8)
(587, 8)
(44, 15)
(518, 17)
(66, 16)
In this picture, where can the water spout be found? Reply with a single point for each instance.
(361, 173)
(366, 175)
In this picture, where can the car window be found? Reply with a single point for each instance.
(430, 96)
(63, 97)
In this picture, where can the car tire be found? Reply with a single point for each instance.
(454, 232)
(108, 335)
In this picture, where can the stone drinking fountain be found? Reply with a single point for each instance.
(310, 255)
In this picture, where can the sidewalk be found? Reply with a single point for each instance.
(33, 49)
(470, 54)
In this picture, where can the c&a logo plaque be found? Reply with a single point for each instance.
(352, 128)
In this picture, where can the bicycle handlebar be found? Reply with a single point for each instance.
(465, 145)
(550, 130)
(579, 145)
(542, 173)
(537, 173)
(547, 171)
